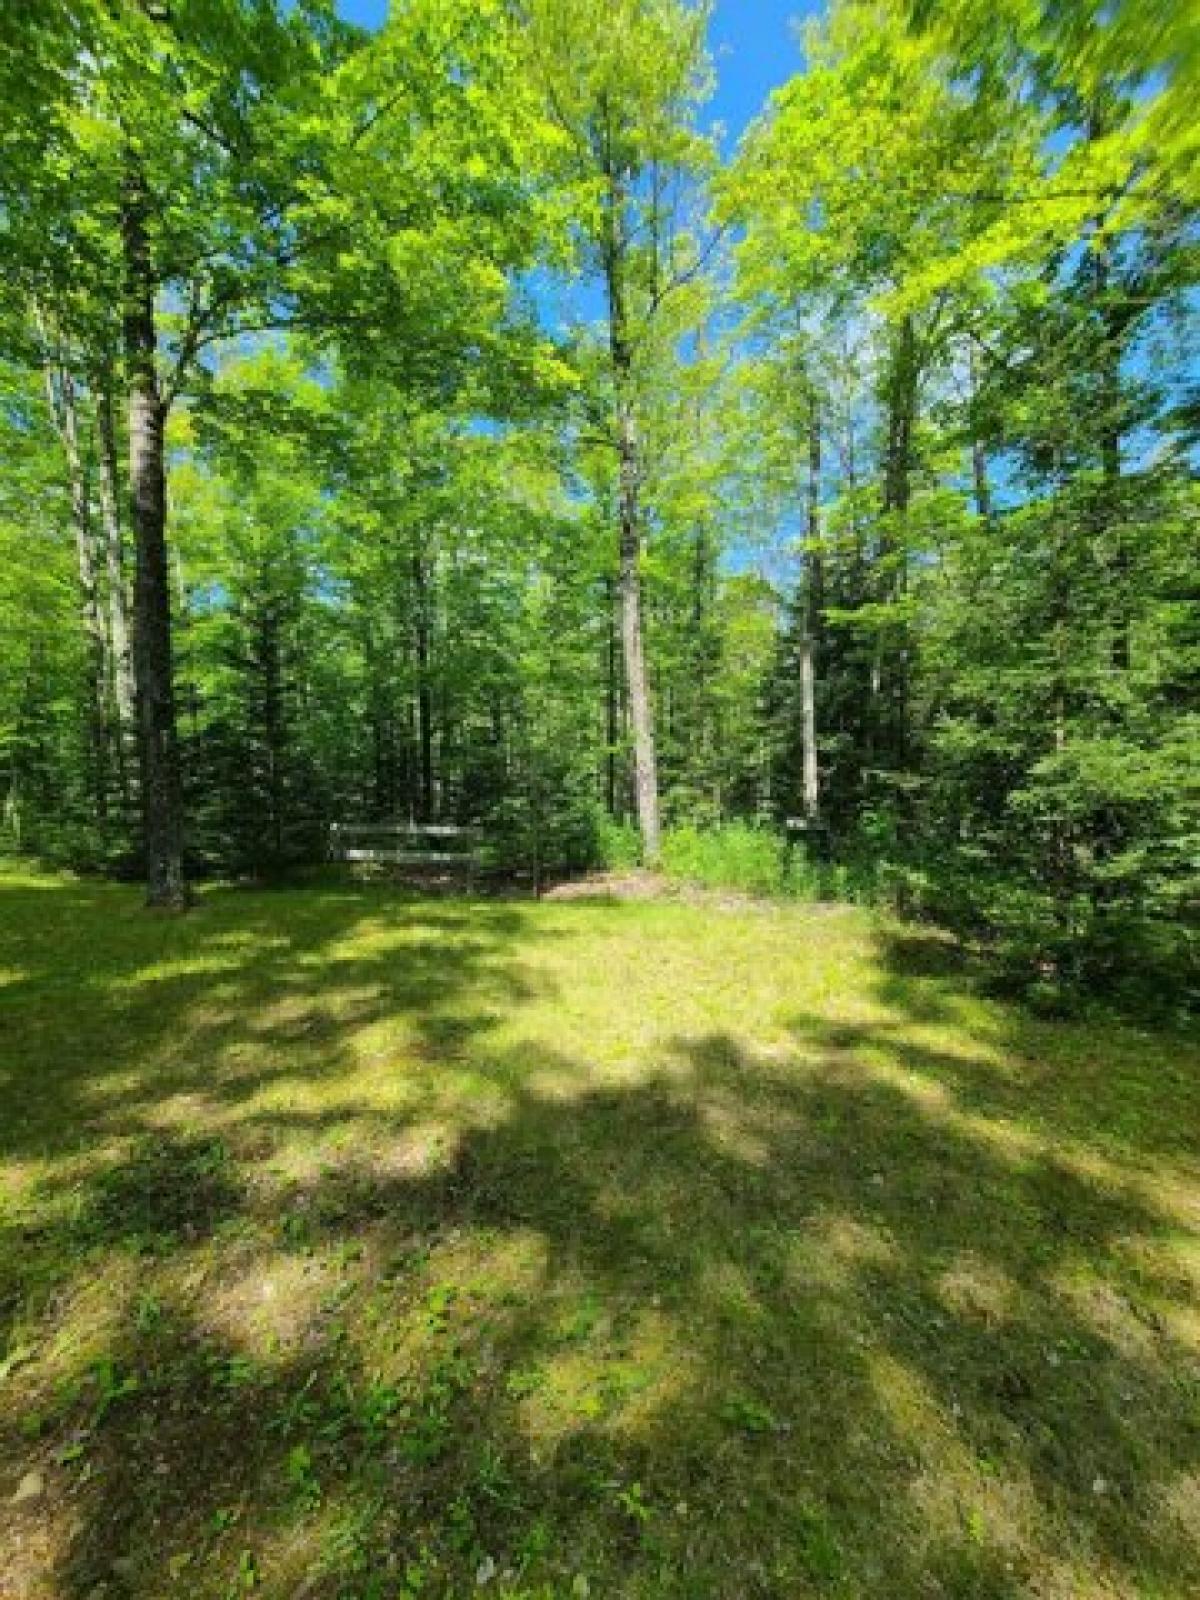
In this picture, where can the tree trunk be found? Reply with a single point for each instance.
(897, 494)
(645, 767)
(274, 726)
(114, 560)
(629, 578)
(901, 407)
(813, 600)
(420, 580)
(612, 701)
(385, 795)
(158, 745)
(1114, 324)
(64, 412)
(1113, 336)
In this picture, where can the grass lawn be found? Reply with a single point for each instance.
(358, 1246)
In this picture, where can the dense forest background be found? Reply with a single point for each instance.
(429, 424)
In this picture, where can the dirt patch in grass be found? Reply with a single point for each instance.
(636, 886)
(364, 1247)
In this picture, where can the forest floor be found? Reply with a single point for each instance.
(359, 1246)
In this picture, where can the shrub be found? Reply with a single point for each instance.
(619, 845)
(737, 856)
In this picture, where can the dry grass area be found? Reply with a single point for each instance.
(358, 1246)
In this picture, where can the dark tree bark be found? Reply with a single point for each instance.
(901, 417)
(270, 662)
(158, 744)
(1114, 329)
(421, 630)
(901, 399)
(384, 765)
(1115, 314)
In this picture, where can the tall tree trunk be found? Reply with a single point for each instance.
(689, 696)
(1114, 324)
(645, 765)
(420, 581)
(1113, 333)
(901, 416)
(384, 798)
(897, 494)
(64, 411)
(124, 694)
(811, 615)
(629, 518)
(274, 726)
(612, 701)
(158, 744)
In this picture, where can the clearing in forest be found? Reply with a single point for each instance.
(361, 1246)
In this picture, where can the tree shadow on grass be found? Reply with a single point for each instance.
(832, 1319)
(108, 1014)
(1127, 1089)
(678, 1339)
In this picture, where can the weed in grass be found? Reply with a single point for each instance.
(302, 1478)
(750, 1416)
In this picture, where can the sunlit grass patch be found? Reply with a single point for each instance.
(359, 1246)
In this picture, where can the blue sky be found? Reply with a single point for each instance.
(753, 45)
(754, 50)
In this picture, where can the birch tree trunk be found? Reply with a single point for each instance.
(629, 517)
(64, 410)
(158, 745)
(641, 716)
(813, 600)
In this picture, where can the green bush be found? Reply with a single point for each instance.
(737, 856)
(741, 857)
(744, 858)
(619, 845)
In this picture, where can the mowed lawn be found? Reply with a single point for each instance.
(354, 1245)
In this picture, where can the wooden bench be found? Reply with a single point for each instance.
(419, 847)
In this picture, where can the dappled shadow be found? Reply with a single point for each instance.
(248, 989)
(1108, 1083)
(822, 1317)
(167, 1191)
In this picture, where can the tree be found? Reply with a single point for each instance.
(213, 171)
(623, 99)
(502, 494)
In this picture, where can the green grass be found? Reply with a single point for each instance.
(360, 1246)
